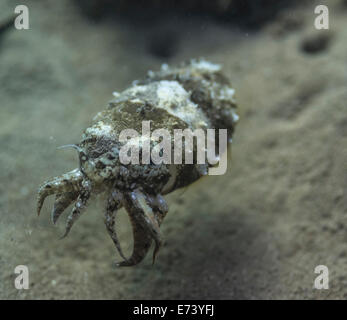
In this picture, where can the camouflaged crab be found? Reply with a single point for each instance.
(193, 95)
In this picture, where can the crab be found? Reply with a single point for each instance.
(196, 96)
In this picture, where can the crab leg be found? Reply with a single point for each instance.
(142, 243)
(77, 210)
(145, 227)
(62, 201)
(65, 183)
(159, 206)
(114, 203)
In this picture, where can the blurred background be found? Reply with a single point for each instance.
(257, 232)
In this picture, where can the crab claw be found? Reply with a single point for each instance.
(77, 210)
(62, 201)
(67, 182)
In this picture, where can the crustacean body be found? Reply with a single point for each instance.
(193, 96)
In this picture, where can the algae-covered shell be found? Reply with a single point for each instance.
(194, 95)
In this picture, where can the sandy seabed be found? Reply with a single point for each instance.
(257, 232)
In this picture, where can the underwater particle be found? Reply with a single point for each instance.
(194, 95)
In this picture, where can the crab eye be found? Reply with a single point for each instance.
(83, 157)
